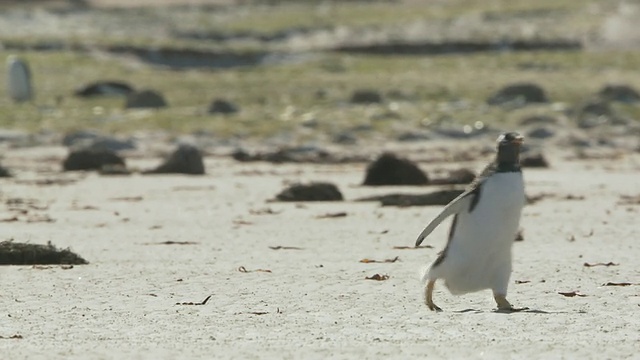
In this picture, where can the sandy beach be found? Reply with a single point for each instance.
(314, 302)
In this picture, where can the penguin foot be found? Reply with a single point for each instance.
(433, 307)
(502, 302)
(504, 306)
(429, 296)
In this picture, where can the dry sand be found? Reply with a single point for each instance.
(315, 302)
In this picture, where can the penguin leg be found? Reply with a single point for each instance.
(429, 296)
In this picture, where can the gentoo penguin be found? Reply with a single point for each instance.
(18, 79)
(485, 222)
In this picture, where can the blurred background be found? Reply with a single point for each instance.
(341, 72)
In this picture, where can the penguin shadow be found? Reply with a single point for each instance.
(525, 310)
(518, 311)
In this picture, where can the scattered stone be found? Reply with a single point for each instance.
(91, 159)
(315, 191)
(576, 140)
(593, 112)
(13, 253)
(391, 170)
(145, 99)
(574, 197)
(243, 156)
(104, 88)
(455, 177)
(538, 120)
(219, 106)
(518, 94)
(345, 138)
(540, 133)
(534, 161)
(187, 159)
(620, 93)
(629, 200)
(385, 115)
(4, 172)
(365, 96)
(440, 197)
(18, 79)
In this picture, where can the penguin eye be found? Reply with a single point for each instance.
(507, 138)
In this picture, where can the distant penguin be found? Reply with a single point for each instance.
(486, 218)
(18, 79)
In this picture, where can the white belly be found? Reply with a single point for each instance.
(479, 254)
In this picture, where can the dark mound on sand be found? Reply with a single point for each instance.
(145, 99)
(366, 96)
(315, 191)
(4, 172)
(221, 106)
(534, 161)
(187, 159)
(619, 92)
(12, 253)
(391, 170)
(524, 93)
(91, 159)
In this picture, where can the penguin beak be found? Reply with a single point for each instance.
(518, 140)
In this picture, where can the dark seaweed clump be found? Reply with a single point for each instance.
(13, 253)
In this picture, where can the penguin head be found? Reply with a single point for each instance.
(510, 138)
(509, 148)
